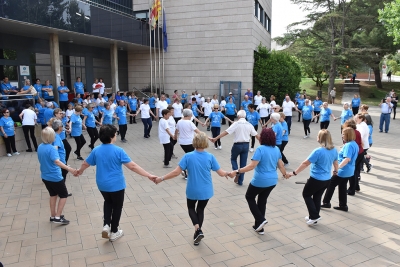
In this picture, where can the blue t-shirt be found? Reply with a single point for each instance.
(40, 115)
(317, 105)
(25, 88)
(64, 121)
(61, 150)
(265, 174)
(199, 183)
(230, 108)
(109, 173)
(277, 128)
(38, 88)
(47, 115)
(300, 103)
(47, 154)
(215, 118)
(63, 96)
(76, 125)
(90, 120)
(307, 112)
(371, 129)
(194, 110)
(183, 100)
(121, 114)
(227, 99)
(285, 130)
(95, 111)
(101, 109)
(79, 88)
(107, 116)
(168, 100)
(349, 150)
(133, 104)
(152, 102)
(245, 105)
(321, 163)
(346, 114)
(124, 97)
(297, 97)
(253, 117)
(8, 126)
(355, 102)
(55, 104)
(105, 97)
(325, 114)
(45, 94)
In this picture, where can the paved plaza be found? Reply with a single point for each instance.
(158, 231)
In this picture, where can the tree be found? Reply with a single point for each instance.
(275, 73)
(389, 15)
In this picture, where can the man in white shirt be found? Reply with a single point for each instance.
(160, 106)
(207, 109)
(242, 131)
(386, 109)
(100, 99)
(29, 118)
(287, 107)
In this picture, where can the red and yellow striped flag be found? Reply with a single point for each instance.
(155, 13)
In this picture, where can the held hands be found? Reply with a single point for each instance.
(152, 178)
(232, 174)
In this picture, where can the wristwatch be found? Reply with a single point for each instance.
(294, 173)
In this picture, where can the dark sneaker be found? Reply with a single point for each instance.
(261, 226)
(62, 220)
(261, 232)
(369, 167)
(344, 208)
(198, 236)
(79, 158)
(29, 150)
(326, 205)
(52, 219)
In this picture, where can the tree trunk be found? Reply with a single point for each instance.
(332, 75)
(378, 80)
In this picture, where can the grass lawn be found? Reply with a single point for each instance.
(368, 92)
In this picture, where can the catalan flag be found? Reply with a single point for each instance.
(155, 13)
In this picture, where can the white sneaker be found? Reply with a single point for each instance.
(9, 155)
(117, 235)
(220, 147)
(167, 166)
(306, 136)
(251, 149)
(312, 222)
(106, 231)
(306, 218)
(16, 153)
(286, 164)
(215, 148)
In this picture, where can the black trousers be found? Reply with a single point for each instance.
(258, 208)
(215, 131)
(177, 119)
(281, 148)
(324, 124)
(67, 148)
(341, 183)
(312, 194)
(223, 120)
(167, 153)
(306, 124)
(253, 138)
(64, 105)
(394, 111)
(30, 129)
(264, 119)
(154, 112)
(355, 110)
(316, 113)
(123, 128)
(112, 208)
(353, 182)
(187, 149)
(64, 174)
(147, 125)
(299, 116)
(80, 142)
(173, 143)
(196, 214)
(94, 135)
(232, 118)
(10, 144)
(132, 119)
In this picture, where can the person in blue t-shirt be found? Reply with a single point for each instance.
(26, 89)
(47, 91)
(297, 96)
(300, 104)
(7, 131)
(110, 178)
(63, 96)
(245, 103)
(230, 110)
(152, 103)
(38, 87)
(195, 110)
(321, 160)
(50, 168)
(308, 112)
(79, 87)
(48, 113)
(254, 118)
(132, 105)
(121, 112)
(216, 118)
(7, 89)
(285, 137)
(60, 115)
(265, 161)
(317, 108)
(277, 128)
(75, 126)
(347, 163)
(108, 115)
(325, 114)
(355, 104)
(184, 97)
(199, 187)
(89, 120)
(346, 114)
(230, 96)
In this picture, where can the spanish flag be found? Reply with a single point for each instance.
(155, 13)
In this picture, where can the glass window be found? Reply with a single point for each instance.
(261, 17)
(256, 8)
(10, 71)
(8, 54)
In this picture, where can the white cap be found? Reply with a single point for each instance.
(230, 93)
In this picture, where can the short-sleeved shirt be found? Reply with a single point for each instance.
(161, 105)
(287, 107)
(265, 174)
(199, 165)
(371, 129)
(346, 114)
(349, 150)
(285, 129)
(90, 120)
(355, 102)
(29, 117)
(162, 131)
(321, 163)
(186, 130)
(26, 88)
(307, 112)
(79, 88)
(317, 105)
(76, 125)
(47, 154)
(152, 102)
(264, 109)
(241, 130)
(230, 108)
(177, 110)
(48, 113)
(207, 108)
(121, 114)
(108, 159)
(63, 96)
(245, 105)
(38, 88)
(107, 116)
(325, 114)
(253, 117)
(45, 94)
(300, 103)
(8, 126)
(60, 148)
(194, 110)
(215, 118)
(277, 128)
(133, 103)
(145, 109)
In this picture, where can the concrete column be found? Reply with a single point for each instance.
(55, 64)
(114, 67)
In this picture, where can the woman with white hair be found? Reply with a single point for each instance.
(276, 127)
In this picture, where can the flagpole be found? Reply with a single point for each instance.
(151, 58)
(159, 54)
(163, 58)
(155, 60)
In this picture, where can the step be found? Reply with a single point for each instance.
(350, 81)
(351, 90)
(351, 85)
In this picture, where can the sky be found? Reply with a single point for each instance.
(283, 14)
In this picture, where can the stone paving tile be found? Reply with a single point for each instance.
(158, 231)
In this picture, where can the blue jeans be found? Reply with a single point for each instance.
(288, 120)
(147, 126)
(385, 118)
(242, 150)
